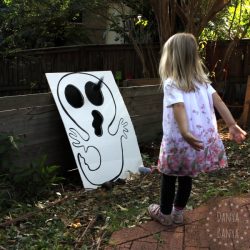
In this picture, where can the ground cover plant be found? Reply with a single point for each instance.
(26, 181)
(71, 218)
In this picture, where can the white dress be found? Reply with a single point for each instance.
(177, 157)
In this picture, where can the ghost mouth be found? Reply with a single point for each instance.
(97, 122)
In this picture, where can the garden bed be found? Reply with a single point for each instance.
(72, 218)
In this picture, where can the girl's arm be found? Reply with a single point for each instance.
(182, 122)
(223, 110)
(236, 133)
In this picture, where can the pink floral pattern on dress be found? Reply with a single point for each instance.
(176, 156)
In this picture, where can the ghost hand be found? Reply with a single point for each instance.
(123, 128)
(78, 140)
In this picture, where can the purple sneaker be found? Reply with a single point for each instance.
(177, 216)
(156, 214)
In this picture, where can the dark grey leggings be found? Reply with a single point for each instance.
(168, 197)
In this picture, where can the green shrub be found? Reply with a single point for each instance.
(27, 182)
(35, 179)
(8, 147)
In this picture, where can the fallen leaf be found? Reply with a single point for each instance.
(121, 208)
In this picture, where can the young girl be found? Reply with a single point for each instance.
(191, 143)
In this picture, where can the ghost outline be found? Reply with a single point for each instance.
(82, 139)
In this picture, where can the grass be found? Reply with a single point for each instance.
(86, 220)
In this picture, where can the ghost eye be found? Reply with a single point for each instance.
(94, 93)
(74, 96)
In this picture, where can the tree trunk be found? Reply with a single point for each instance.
(164, 19)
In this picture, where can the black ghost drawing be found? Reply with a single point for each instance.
(99, 130)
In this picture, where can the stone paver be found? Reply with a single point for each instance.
(154, 227)
(195, 248)
(195, 235)
(128, 234)
(141, 245)
(220, 224)
(171, 240)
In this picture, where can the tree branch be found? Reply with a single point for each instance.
(216, 7)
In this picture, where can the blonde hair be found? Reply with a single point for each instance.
(181, 62)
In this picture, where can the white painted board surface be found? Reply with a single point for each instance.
(98, 125)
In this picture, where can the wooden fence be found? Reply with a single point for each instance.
(24, 72)
(237, 68)
(233, 79)
(245, 116)
(35, 119)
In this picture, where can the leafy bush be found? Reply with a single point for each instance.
(8, 147)
(24, 182)
(35, 179)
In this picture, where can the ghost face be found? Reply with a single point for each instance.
(85, 99)
(98, 132)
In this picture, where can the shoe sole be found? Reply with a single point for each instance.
(178, 223)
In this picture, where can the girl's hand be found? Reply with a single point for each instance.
(193, 141)
(237, 134)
